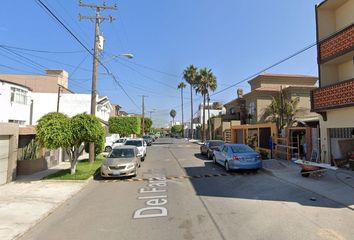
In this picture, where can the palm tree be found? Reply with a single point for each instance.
(182, 85)
(206, 81)
(173, 115)
(281, 108)
(190, 75)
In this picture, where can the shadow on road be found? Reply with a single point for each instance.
(200, 156)
(253, 186)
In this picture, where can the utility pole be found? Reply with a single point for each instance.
(143, 114)
(209, 120)
(58, 100)
(281, 107)
(97, 47)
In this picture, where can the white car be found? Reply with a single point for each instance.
(111, 144)
(140, 144)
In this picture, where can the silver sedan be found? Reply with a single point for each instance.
(121, 161)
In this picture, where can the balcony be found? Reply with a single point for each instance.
(333, 96)
(337, 44)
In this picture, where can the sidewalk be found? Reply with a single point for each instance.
(28, 200)
(336, 185)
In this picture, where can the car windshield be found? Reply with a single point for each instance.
(134, 143)
(215, 143)
(121, 153)
(241, 149)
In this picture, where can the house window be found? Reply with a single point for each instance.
(18, 95)
(252, 108)
(232, 111)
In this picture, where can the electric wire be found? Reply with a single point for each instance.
(78, 40)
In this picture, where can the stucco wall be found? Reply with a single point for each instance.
(11, 130)
(13, 110)
(338, 118)
(70, 104)
(345, 15)
(346, 70)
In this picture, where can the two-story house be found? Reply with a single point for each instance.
(266, 86)
(16, 103)
(334, 99)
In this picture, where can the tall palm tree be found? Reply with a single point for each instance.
(182, 85)
(173, 115)
(190, 75)
(206, 81)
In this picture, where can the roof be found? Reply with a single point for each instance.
(280, 75)
(20, 85)
(330, 3)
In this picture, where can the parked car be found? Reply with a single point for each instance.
(118, 142)
(121, 161)
(140, 144)
(209, 146)
(237, 156)
(148, 139)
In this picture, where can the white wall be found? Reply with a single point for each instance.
(13, 110)
(70, 104)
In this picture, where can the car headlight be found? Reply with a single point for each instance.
(131, 165)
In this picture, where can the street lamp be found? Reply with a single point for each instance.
(126, 55)
(151, 111)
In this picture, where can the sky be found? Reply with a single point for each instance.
(234, 38)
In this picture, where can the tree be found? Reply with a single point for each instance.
(124, 125)
(181, 86)
(148, 124)
(286, 107)
(206, 81)
(173, 115)
(56, 130)
(177, 129)
(190, 75)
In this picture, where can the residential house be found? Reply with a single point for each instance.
(48, 83)
(69, 104)
(266, 86)
(16, 103)
(334, 99)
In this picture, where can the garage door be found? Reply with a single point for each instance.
(4, 158)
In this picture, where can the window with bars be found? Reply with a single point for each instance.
(18, 95)
(341, 132)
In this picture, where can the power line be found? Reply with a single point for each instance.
(40, 3)
(40, 51)
(145, 76)
(267, 68)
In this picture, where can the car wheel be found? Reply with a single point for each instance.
(227, 168)
(108, 149)
(214, 159)
(143, 159)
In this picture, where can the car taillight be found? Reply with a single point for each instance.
(236, 158)
(259, 157)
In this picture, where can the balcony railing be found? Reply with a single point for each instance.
(333, 96)
(337, 44)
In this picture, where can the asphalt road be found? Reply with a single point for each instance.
(179, 194)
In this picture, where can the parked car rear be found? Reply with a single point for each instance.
(140, 144)
(209, 146)
(237, 156)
